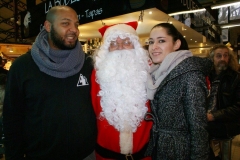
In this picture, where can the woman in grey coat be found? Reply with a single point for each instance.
(177, 90)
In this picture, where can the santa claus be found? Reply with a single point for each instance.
(119, 94)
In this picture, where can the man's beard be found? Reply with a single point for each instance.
(122, 75)
(222, 65)
(58, 41)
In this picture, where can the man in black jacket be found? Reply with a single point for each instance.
(224, 98)
(47, 110)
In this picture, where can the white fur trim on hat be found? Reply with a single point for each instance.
(120, 28)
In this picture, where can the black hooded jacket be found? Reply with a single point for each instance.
(227, 104)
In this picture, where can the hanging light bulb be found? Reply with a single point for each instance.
(140, 18)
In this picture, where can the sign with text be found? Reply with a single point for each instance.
(87, 11)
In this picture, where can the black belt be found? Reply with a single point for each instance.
(106, 153)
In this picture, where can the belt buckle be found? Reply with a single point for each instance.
(129, 157)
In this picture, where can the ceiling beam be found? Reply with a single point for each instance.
(7, 21)
(10, 5)
(15, 13)
(4, 4)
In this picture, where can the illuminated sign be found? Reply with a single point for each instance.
(87, 11)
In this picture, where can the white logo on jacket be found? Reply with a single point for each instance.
(82, 81)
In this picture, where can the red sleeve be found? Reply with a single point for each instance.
(208, 83)
(94, 90)
(108, 136)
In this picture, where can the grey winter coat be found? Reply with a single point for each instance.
(179, 113)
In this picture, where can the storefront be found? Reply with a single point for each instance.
(93, 14)
(10, 51)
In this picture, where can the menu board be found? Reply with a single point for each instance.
(87, 11)
(235, 12)
(223, 15)
(224, 35)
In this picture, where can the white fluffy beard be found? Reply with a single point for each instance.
(122, 76)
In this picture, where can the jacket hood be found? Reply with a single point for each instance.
(197, 63)
(193, 63)
(203, 65)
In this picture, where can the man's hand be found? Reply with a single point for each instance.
(210, 117)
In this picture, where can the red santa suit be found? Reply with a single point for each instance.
(108, 136)
(119, 95)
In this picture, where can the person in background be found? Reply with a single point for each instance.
(224, 99)
(3, 79)
(177, 89)
(2, 69)
(47, 111)
(119, 94)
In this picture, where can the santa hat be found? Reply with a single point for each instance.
(129, 27)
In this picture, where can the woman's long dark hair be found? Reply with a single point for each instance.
(173, 32)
